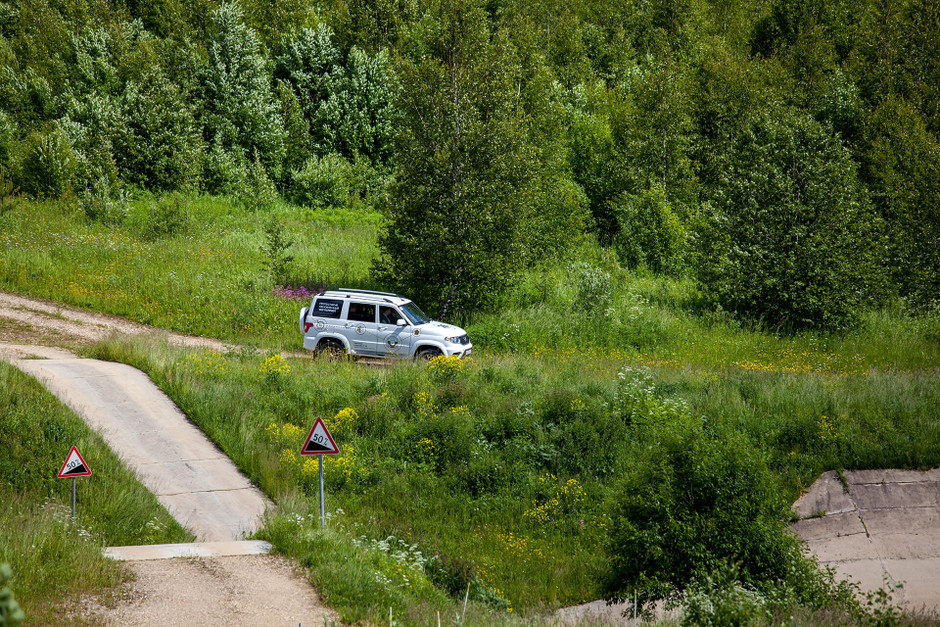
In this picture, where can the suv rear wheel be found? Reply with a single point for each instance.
(330, 349)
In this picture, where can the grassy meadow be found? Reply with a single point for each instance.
(495, 478)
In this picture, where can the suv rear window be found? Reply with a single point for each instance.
(326, 308)
(361, 312)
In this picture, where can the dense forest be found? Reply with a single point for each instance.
(784, 153)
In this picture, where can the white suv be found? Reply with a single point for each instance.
(377, 324)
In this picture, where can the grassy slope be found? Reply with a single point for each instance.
(475, 466)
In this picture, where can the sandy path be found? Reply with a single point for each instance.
(37, 321)
(262, 590)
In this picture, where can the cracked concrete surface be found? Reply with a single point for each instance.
(878, 527)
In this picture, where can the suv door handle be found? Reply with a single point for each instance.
(383, 328)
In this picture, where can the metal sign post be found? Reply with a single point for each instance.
(322, 497)
(319, 442)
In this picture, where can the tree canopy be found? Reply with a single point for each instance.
(753, 145)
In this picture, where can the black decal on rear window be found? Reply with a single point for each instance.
(325, 308)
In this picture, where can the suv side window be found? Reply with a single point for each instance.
(388, 315)
(326, 308)
(361, 312)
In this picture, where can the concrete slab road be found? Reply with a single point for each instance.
(878, 527)
(191, 477)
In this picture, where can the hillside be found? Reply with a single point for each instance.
(696, 246)
(526, 473)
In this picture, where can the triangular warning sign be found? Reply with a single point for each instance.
(74, 466)
(319, 442)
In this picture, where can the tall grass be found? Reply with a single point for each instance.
(207, 280)
(55, 561)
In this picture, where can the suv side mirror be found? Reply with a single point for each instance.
(400, 322)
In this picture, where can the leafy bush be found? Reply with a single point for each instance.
(48, 162)
(163, 150)
(10, 613)
(592, 286)
(720, 600)
(899, 159)
(103, 203)
(780, 238)
(258, 192)
(168, 216)
(241, 112)
(225, 171)
(693, 499)
(651, 234)
(323, 182)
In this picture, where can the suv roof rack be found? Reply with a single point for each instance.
(380, 296)
(343, 289)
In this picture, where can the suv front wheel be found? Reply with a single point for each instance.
(427, 353)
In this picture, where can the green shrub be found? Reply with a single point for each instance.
(10, 613)
(167, 217)
(323, 182)
(779, 241)
(720, 600)
(651, 233)
(693, 498)
(592, 286)
(225, 171)
(48, 162)
(102, 203)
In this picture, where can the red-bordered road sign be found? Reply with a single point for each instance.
(319, 442)
(74, 466)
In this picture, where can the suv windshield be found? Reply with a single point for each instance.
(414, 314)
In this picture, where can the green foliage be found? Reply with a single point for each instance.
(258, 192)
(467, 173)
(323, 182)
(899, 157)
(693, 499)
(48, 163)
(225, 171)
(168, 216)
(241, 113)
(103, 203)
(780, 239)
(10, 613)
(163, 149)
(9, 194)
(593, 287)
(360, 115)
(306, 64)
(349, 106)
(719, 599)
(276, 244)
(651, 234)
